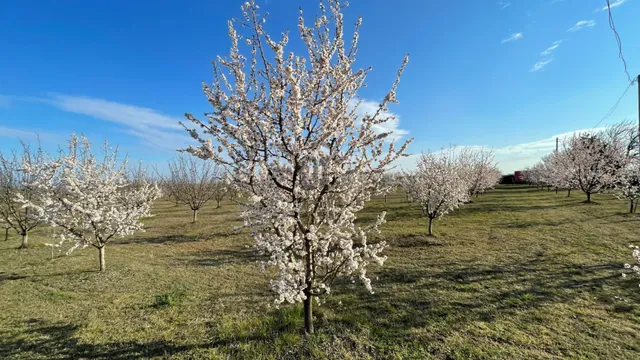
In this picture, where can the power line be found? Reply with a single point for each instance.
(615, 106)
(612, 25)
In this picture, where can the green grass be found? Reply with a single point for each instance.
(519, 273)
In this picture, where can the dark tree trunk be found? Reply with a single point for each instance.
(385, 198)
(308, 313)
(588, 197)
(217, 203)
(631, 207)
(569, 193)
(556, 189)
(195, 215)
(430, 226)
(103, 265)
(6, 234)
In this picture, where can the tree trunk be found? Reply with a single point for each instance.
(103, 266)
(556, 189)
(308, 313)
(548, 188)
(631, 206)
(588, 197)
(195, 215)
(430, 226)
(6, 234)
(569, 193)
(385, 198)
(217, 203)
(25, 240)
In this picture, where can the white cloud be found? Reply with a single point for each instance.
(513, 37)
(368, 107)
(614, 4)
(551, 48)
(515, 157)
(153, 128)
(582, 24)
(541, 64)
(504, 4)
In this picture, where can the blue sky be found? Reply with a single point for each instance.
(127, 71)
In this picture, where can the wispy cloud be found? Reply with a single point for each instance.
(155, 129)
(513, 37)
(368, 107)
(504, 4)
(582, 24)
(615, 3)
(541, 64)
(551, 48)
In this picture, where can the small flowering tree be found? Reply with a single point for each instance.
(89, 197)
(287, 130)
(15, 183)
(438, 185)
(388, 185)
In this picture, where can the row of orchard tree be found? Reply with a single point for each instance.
(287, 132)
(445, 180)
(90, 198)
(594, 162)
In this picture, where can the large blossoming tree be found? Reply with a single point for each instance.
(285, 127)
(89, 197)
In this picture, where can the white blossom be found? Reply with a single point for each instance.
(439, 184)
(286, 131)
(88, 197)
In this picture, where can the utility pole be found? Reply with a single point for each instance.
(638, 85)
(557, 138)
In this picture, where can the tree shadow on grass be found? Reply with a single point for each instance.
(224, 257)
(168, 239)
(8, 277)
(436, 300)
(58, 341)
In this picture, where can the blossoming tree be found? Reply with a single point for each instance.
(16, 183)
(479, 170)
(439, 184)
(88, 197)
(285, 126)
(594, 161)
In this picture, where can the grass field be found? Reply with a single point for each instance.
(518, 274)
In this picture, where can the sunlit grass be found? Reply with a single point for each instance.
(518, 273)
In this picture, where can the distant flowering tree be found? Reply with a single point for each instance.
(89, 198)
(388, 184)
(636, 256)
(595, 161)
(439, 184)
(480, 171)
(627, 186)
(15, 183)
(287, 131)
